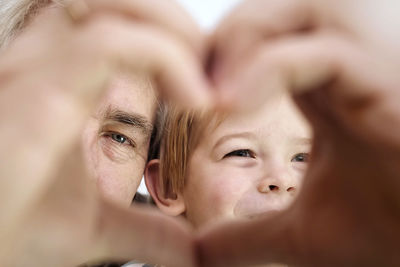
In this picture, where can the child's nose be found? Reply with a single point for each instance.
(282, 185)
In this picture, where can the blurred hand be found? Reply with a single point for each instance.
(51, 78)
(340, 60)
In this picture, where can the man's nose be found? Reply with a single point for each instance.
(278, 181)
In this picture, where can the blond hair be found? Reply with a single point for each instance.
(174, 151)
(182, 131)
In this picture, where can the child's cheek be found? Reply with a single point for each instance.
(228, 188)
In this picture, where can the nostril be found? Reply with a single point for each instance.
(273, 188)
(290, 189)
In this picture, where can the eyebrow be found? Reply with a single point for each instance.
(224, 138)
(250, 135)
(131, 119)
(301, 141)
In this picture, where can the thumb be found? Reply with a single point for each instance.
(271, 239)
(143, 235)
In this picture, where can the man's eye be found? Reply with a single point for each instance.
(241, 153)
(119, 138)
(301, 157)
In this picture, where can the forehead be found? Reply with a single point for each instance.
(130, 93)
(278, 116)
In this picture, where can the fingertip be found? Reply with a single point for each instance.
(199, 256)
(196, 92)
(210, 55)
(204, 98)
(227, 95)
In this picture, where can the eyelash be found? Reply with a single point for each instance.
(300, 157)
(114, 135)
(235, 153)
(304, 157)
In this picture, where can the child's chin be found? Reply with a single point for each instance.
(262, 214)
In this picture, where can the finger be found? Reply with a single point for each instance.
(253, 22)
(167, 14)
(35, 121)
(49, 212)
(40, 151)
(297, 65)
(358, 87)
(142, 48)
(248, 243)
(143, 235)
(84, 71)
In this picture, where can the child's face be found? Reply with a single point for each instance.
(249, 164)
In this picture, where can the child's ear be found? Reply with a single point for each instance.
(168, 202)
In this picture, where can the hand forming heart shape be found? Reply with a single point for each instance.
(341, 69)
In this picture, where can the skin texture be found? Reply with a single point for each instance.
(246, 164)
(224, 183)
(52, 79)
(334, 58)
(116, 138)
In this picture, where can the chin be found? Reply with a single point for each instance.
(259, 214)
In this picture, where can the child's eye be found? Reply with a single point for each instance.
(241, 153)
(301, 157)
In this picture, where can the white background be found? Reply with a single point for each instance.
(208, 12)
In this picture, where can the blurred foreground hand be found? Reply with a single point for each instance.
(51, 77)
(340, 60)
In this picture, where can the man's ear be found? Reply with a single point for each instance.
(169, 202)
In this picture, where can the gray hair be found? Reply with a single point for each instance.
(16, 14)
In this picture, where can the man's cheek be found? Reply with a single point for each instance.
(117, 182)
(115, 152)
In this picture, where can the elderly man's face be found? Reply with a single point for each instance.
(116, 138)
